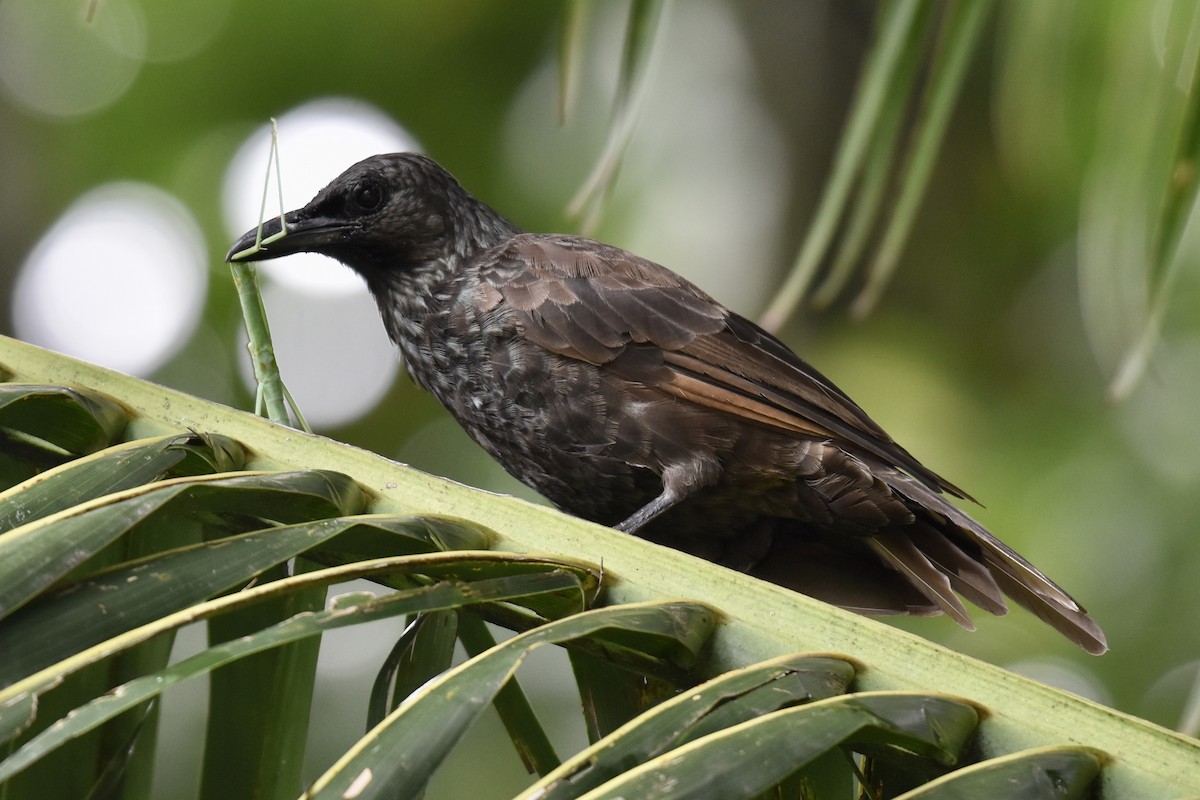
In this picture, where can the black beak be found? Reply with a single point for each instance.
(305, 234)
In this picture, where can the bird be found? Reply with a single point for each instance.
(626, 395)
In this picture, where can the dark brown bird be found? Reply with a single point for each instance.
(628, 396)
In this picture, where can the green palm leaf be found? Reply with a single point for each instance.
(219, 544)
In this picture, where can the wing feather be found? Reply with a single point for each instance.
(905, 558)
(590, 301)
(643, 323)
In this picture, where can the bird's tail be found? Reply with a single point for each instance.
(977, 565)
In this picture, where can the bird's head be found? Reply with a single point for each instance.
(385, 213)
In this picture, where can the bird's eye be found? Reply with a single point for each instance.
(367, 194)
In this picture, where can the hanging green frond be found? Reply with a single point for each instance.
(642, 29)
(570, 55)
(911, 79)
(1142, 184)
(958, 40)
(882, 91)
(424, 650)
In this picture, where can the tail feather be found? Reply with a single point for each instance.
(899, 551)
(844, 577)
(961, 541)
(969, 578)
(1071, 620)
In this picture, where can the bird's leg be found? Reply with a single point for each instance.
(680, 481)
(648, 512)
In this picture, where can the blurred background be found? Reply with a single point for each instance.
(133, 148)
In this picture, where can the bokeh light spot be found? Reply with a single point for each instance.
(56, 61)
(317, 142)
(119, 279)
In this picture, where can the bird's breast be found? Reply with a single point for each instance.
(549, 420)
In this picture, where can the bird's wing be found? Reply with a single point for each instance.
(590, 301)
(600, 304)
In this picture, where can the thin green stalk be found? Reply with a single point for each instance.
(526, 732)
(612, 696)
(258, 749)
(641, 37)
(570, 56)
(896, 26)
(879, 166)
(271, 397)
(963, 26)
(1189, 723)
(1179, 201)
(266, 753)
(262, 352)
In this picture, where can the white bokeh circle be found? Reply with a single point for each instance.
(69, 60)
(120, 279)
